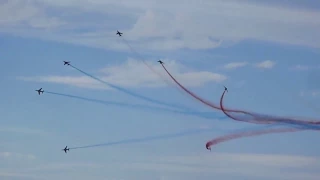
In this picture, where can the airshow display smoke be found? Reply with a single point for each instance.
(206, 115)
(234, 114)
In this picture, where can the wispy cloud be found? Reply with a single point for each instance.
(248, 165)
(235, 65)
(166, 26)
(12, 155)
(189, 166)
(313, 93)
(300, 67)
(268, 64)
(265, 64)
(135, 74)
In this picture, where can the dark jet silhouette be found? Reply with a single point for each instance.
(226, 89)
(39, 91)
(161, 62)
(119, 33)
(67, 63)
(207, 146)
(65, 149)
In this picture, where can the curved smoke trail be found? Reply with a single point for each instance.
(197, 97)
(260, 119)
(248, 134)
(145, 139)
(131, 93)
(257, 119)
(199, 114)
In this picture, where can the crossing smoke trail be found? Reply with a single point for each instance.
(260, 119)
(199, 114)
(145, 139)
(257, 119)
(197, 97)
(131, 93)
(298, 126)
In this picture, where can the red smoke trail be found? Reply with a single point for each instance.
(256, 119)
(150, 67)
(237, 119)
(200, 99)
(266, 120)
(248, 134)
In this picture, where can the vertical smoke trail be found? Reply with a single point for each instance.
(237, 119)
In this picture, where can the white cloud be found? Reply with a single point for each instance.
(265, 64)
(135, 74)
(17, 13)
(235, 65)
(159, 26)
(304, 67)
(300, 67)
(13, 155)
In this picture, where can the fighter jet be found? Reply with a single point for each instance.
(119, 33)
(65, 149)
(161, 62)
(39, 91)
(67, 63)
(207, 146)
(226, 89)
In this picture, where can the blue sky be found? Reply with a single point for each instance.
(267, 54)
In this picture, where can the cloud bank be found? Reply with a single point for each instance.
(159, 26)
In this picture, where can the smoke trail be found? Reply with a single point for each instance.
(199, 114)
(131, 93)
(145, 139)
(248, 134)
(259, 119)
(237, 119)
(197, 97)
(150, 67)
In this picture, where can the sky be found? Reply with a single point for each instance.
(265, 52)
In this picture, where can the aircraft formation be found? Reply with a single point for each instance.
(295, 125)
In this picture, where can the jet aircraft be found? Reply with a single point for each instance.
(226, 89)
(67, 63)
(39, 91)
(161, 62)
(207, 146)
(119, 33)
(65, 149)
